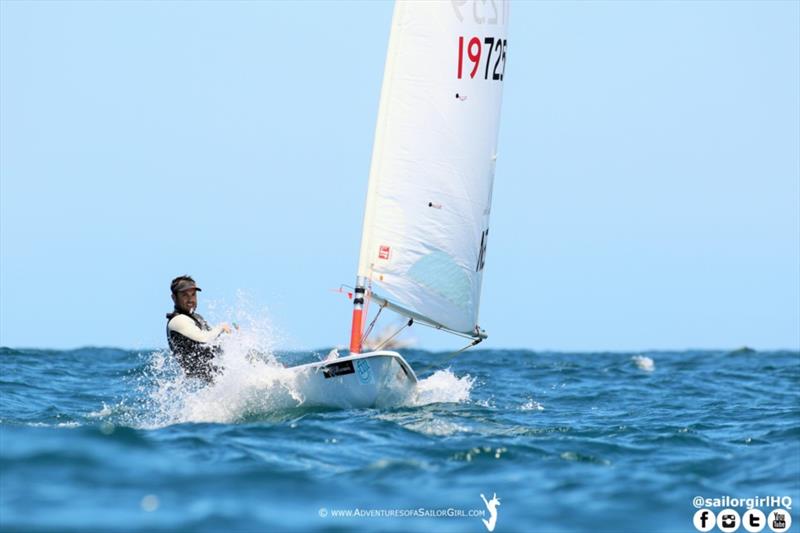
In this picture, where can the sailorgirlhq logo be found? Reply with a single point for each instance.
(752, 519)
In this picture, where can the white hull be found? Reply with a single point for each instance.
(375, 379)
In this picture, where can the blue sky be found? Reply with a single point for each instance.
(647, 193)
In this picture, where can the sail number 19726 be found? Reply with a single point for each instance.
(491, 52)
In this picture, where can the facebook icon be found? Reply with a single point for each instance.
(704, 520)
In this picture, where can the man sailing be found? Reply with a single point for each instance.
(192, 340)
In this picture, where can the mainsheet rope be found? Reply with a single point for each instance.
(452, 355)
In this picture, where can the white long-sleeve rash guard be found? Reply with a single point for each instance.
(186, 326)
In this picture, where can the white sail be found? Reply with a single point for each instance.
(426, 222)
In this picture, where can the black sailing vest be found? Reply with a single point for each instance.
(194, 357)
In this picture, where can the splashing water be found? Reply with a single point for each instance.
(532, 405)
(442, 387)
(644, 363)
(252, 383)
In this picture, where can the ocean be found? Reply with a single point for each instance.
(104, 439)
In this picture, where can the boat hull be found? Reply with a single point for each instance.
(375, 379)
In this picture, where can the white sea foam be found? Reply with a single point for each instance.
(104, 412)
(436, 426)
(441, 387)
(532, 405)
(644, 363)
(57, 425)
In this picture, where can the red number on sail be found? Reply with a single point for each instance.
(460, 55)
(475, 57)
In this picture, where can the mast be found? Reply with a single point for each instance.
(358, 316)
(357, 326)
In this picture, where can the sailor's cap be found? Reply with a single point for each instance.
(184, 284)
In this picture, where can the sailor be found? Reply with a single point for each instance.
(191, 339)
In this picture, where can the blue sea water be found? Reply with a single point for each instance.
(100, 439)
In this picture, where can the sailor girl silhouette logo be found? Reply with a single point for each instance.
(491, 505)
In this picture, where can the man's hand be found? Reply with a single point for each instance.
(225, 327)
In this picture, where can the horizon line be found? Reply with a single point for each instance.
(744, 349)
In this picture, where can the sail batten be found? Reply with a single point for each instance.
(426, 220)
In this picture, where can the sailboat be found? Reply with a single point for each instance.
(426, 220)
